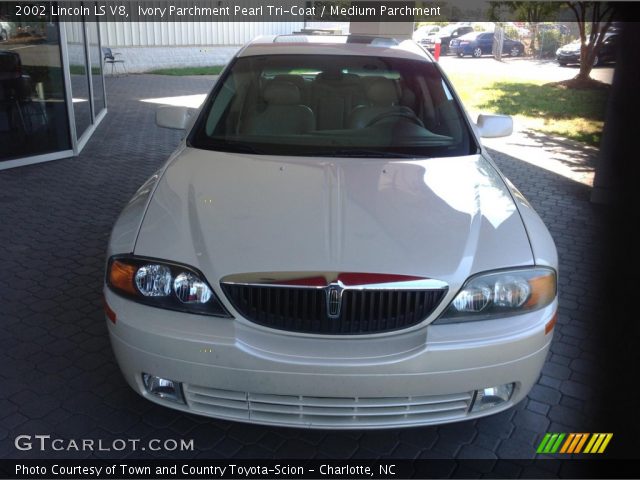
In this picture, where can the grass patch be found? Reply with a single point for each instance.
(184, 71)
(81, 70)
(552, 109)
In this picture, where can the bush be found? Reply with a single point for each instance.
(512, 33)
(549, 41)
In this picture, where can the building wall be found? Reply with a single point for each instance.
(146, 46)
(183, 34)
(145, 59)
(399, 30)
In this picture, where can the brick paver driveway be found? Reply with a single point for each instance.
(59, 377)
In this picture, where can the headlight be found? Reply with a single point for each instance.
(558, 51)
(163, 284)
(510, 292)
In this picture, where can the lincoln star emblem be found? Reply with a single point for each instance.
(334, 300)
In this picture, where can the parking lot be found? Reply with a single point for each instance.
(526, 68)
(59, 376)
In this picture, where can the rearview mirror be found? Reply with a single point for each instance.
(170, 116)
(492, 126)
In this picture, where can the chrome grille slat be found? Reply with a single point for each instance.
(219, 402)
(328, 411)
(351, 411)
(302, 309)
(357, 402)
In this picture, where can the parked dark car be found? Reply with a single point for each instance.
(608, 51)
(445, 35)
(477, 44)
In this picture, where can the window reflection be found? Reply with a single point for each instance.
(33, 113)
(95, 57)
(79, 75)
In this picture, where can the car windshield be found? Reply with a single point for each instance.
(334, 105)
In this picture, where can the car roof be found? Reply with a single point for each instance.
(475, 33)
(362, 45)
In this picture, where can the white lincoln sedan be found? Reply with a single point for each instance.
(331, 246)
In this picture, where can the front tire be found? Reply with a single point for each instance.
(4, 36)
(515, 52)
(477, 52)
(461, 54)
(596, 61)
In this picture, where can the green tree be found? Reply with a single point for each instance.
(533, 12)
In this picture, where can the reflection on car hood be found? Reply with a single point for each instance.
(228, 213)
(571, 47)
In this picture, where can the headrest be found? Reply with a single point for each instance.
(382, 91)
(281, 93)
(330, 75)
(297, 80)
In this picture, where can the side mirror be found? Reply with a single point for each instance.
(491, 126)
(170, 116)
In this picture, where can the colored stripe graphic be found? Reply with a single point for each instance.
(556, 445)
(608, 438)
(577, 445)
(598, 442)
(566, 445)
(550, 443)
(543, 443)
(574, 443)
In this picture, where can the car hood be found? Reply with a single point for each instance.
(570, 48)
(227, 213)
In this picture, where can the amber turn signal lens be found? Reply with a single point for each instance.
(543, 290)
(551, 323)
(121, 277)
(111, 315)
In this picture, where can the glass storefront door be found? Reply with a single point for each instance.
(52, 92)
(33, 113)
(95, 59)
(79, 74)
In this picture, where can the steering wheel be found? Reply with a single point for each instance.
(398, 114)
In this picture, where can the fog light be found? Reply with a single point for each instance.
(163, 388)
(491, 397)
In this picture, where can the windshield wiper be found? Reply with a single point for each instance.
(361, 153)
(234, 148)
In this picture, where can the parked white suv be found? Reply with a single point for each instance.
(331, 247)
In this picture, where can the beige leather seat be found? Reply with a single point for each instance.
(383, 98)
(334, 95)
(281, 113)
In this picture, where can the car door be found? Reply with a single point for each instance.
(507, 43)
(609, 48)
(485, 42)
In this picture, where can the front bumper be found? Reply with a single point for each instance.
(460, 49)
(236, 370)
(429, 46)
(568, 57)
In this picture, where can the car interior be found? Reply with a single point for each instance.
(357, 101)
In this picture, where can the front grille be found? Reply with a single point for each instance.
(301, 309)
(327, 412)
